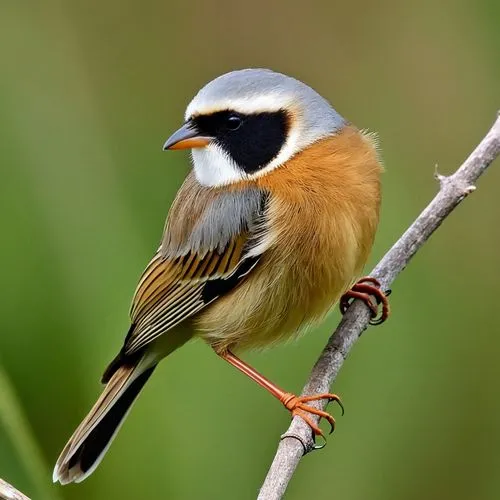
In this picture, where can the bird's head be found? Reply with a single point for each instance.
(246, 123)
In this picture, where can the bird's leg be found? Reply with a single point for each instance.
(297, 405)
(368, 290)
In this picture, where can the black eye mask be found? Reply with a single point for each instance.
(252, 140)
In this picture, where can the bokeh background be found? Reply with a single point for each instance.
(88, 93)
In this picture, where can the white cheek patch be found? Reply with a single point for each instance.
(213, 167)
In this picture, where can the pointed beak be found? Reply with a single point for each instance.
(186, 137)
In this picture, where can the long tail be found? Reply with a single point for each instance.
(87, 446)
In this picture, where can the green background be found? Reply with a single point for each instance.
(89, 91)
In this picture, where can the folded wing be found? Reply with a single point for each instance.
(212, 240)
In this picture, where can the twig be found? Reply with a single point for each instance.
(453, 189)
(8, 492)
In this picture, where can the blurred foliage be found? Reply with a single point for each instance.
(88, 93)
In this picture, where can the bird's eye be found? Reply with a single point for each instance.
(234, 122)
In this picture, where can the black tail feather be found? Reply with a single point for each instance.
(97, 441)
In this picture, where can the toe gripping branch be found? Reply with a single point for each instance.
(368, 290)
(297, 405)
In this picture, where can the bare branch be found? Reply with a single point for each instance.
(453, 189)
(8, 492)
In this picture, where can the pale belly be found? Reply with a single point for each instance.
(277, 301)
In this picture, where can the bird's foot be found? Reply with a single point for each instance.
(297, 405)
(368, 290)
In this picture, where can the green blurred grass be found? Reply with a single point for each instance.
(89, 91)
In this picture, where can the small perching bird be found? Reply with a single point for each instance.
(268, 231)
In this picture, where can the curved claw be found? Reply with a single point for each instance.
(377, 321)
(320, 446)
(339, 402)
(332, 425)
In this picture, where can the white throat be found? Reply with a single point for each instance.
(213, 167)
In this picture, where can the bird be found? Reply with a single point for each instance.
(270, 229)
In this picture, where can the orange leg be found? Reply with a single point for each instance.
(368, 290)
(295, 404)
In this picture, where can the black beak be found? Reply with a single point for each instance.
(186, 137)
